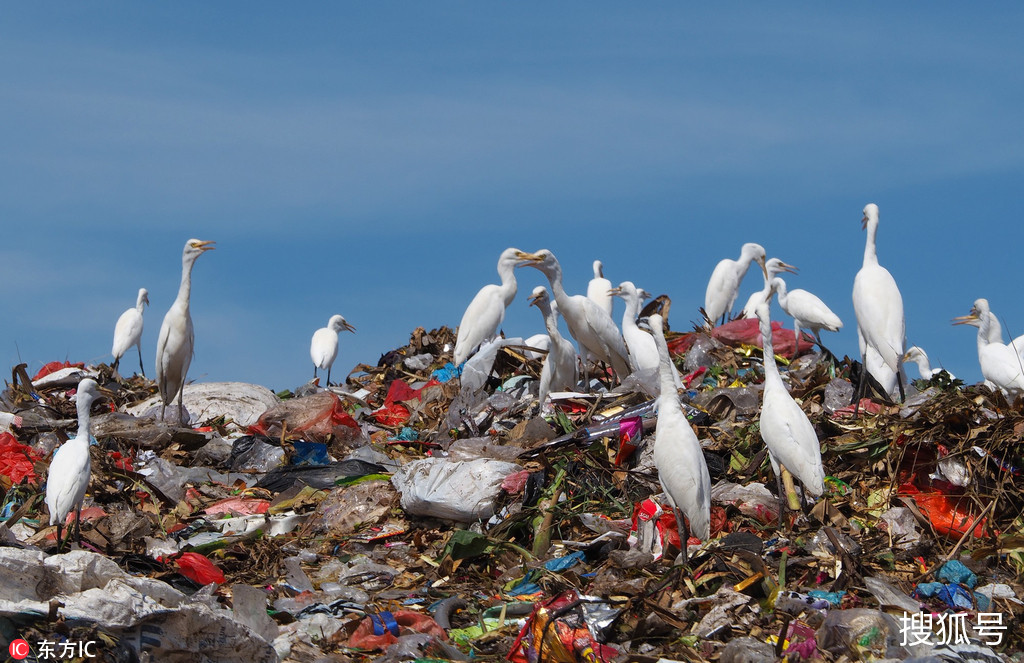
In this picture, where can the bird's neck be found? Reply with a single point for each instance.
(550, 319)
(870, 254)
(84, 419)
(924, 366)
(771, 369)
(558, 293)
(631, 313)
(666, 371)
(185, 289)
(507, 272)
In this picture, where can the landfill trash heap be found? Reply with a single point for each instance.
(411, 513)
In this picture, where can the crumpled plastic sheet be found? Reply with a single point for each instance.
(453, 490)
(147, 614)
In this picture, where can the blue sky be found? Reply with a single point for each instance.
(374, 160)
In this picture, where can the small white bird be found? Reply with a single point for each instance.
(177, 337)
(593, 329)
(128, 331)
(1000, 363)
(486, 311)
(786, 430)
(878, 305)
(924, 367)
(560, 368)
(643, 350)
(807, 311)
(324, 347)
(724, 284)
(772, 268)
(71, 467)
(682, 470)
(597, 289)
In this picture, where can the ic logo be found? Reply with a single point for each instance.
(18, 649)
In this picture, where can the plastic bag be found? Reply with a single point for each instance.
(311, 417)
(463, 491)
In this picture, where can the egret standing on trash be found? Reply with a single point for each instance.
(177, 338)
(724, 284)
(878, 305)
(644, 358)
(324, 347)
(682, 470)
(128, 331)
(787, 432)
(807, 311)
(485, 313)
(588, 323)
(71, 466)
(772, 268)
(559, 370)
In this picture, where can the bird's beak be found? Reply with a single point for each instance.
(788, 268)
(864, 223)
(970, 319)
(347, 327)
(146, 299)
(205, 245)
(528, 258)
(533, 299)
(764, 269)
(615, 291)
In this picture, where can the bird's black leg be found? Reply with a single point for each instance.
(328, 376)
(782, 498)
(142, 369)
(314, 371)
(78, 524)
(58, 538)
(113, 366)
(163, 407)
(684, 531)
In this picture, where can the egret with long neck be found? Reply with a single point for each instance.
(724, 284)
(128, 331)
(682, 470)
(560, 369)
(71, 467)
(486, 311)
(787, 432)
(643, 350)
(593, 329)
(176, 343)
(1000, 363)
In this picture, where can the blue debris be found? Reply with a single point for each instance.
(833, 598)
(446, 372)
(310, 453)
(406, 434)
(954, 596)
(563, 563)
(524, 588)
(955, 572)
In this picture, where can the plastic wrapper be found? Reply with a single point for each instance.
(463, 491)
(345, 508)
(311, 417)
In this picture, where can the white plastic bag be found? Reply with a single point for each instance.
(453, 490)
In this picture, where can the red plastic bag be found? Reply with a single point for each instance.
(238, 506)
(383, 630)
(949, 514)
(393, 413)
(55, 366)
(17, 460)
(313, 418)
(198, 568)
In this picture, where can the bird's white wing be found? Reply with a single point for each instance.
(67, 480)
(790, 436)
(324, 347)
(127, 332)
(597, 292)
(681, 467)
(480, 322)
(811, 311)
(722, 289)
(608, 335)
(879, 308)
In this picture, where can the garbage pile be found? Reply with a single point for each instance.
(423, 512)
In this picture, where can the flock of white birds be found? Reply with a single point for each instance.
(793, 447)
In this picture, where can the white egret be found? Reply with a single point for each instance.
(772, 268)
(643, 351)
(71, 467)
(1000, 363)
(878, 306)
(597, 289)
(128, 331)
(559, 370)
(924, 367)
(786, 430)
(324, 347)
(177, 337)
(682, 470)
(592, 328)
(807, 311)
(724, 284)
(486, 311)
